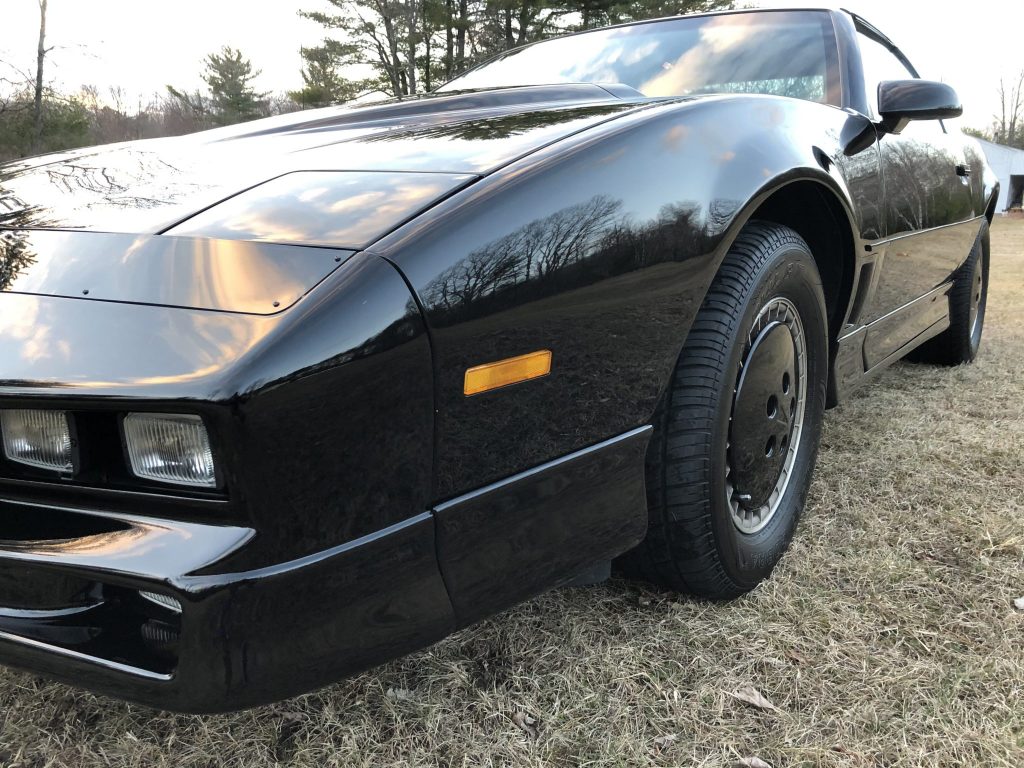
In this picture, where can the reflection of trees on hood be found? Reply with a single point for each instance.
(15, 218)
(126, 179)
(574, 246)
(14, 256)
(90, 185)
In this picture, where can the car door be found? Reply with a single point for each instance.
(928, 213)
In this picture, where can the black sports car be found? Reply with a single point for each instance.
(288, 399)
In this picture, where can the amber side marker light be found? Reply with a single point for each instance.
(482, 378)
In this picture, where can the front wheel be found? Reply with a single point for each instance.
(736, 434)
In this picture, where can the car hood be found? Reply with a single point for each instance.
(146, 187)
(223, 220)
(151, 268)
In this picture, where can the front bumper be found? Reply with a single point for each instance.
(71, 608)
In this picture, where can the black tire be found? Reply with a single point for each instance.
(692, 543)
(960, 342)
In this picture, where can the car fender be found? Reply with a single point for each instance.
(673, 184)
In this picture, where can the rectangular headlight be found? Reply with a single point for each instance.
(38, 438)
(170, 448)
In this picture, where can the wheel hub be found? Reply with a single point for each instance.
(977, 291)
(767, 415)
(762, 416)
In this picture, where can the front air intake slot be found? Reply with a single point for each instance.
(27, 589)
(30, 525)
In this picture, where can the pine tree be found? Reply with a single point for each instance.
(323, 84)
(229, 76)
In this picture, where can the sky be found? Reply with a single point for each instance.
(143, 45)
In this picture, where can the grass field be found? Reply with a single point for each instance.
(887, 637)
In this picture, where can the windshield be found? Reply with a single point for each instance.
(786, 53)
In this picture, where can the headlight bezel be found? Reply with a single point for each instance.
(216, 482)
(101, 460)
(64, 471)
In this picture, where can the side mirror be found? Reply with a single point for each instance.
(900, 101)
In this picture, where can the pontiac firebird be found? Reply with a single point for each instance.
(284, 400)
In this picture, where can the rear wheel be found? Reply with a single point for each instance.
(967, 299)
(737, 432)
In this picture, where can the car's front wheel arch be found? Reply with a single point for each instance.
(736, 433)
(815, 206)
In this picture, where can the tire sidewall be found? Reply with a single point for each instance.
(789, 272)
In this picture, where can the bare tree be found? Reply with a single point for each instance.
(1011, 112)
(41, 51)
(413, 17)
(11, 90)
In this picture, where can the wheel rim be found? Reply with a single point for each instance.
(977, 298)
(767, 417)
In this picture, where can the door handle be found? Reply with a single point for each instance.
(963, 169)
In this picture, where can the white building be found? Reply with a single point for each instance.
(1008, 164)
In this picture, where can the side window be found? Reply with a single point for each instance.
(881, 64)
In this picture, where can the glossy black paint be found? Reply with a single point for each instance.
(368, 507)
(191, 272)
(621, 230)
(322, 208)
(901, 101)
(246, 637)
(148, 187)
(285, 398)
(529, 525)
(932, 213)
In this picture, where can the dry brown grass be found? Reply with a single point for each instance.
(886, 637)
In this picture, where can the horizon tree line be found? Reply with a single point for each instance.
(394, 48)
